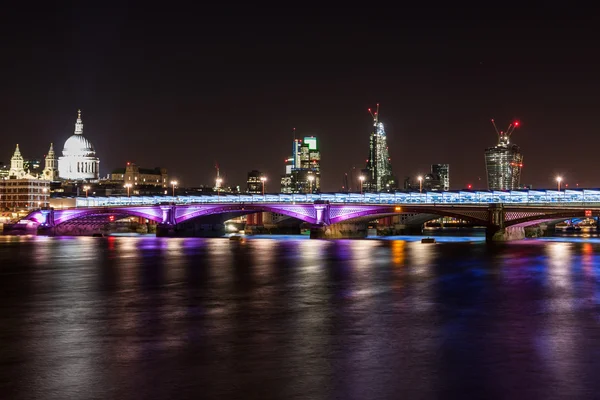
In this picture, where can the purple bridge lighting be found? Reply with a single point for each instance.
(502, 220)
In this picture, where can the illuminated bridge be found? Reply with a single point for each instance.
(504, 214)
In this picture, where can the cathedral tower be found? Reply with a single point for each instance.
(50, 172)
(16, 165)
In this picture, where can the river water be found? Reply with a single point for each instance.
(292, 318)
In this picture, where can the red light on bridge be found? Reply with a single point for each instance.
(111, 218)
(588, 213)
(469, 186)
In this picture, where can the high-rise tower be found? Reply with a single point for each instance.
(503, 162)
(379, 168)
(303, 168)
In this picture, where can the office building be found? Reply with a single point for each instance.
(303, 168)
(378, 175)
(23, 194)
(137, 176)
(438, 179)
(4, 170)
(504, 162)
(254, 184)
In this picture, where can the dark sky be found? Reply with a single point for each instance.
(184, 86)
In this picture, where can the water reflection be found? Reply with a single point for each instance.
(137, 317)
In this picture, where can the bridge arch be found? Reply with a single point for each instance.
(341, 214)
(73, 215)
(304, 213)
(536, 218)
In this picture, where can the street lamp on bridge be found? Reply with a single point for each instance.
(420, 179)
(558, 181)
(361, 179)
(173, 184)
(311, 178)
(218, 182)
(86, 188)
(128, 186)
(263, 179)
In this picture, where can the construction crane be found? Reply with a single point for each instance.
(375, 115)
(509, 130)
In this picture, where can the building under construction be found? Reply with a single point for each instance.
(378, 172)
(503, 162)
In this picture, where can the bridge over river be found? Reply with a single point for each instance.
(504, 214)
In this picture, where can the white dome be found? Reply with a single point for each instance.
(78, 145)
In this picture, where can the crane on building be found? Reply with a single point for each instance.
(375, 115)
(509, 130)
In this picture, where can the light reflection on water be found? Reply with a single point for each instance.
(146, 317)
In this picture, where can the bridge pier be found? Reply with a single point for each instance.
(496, 234)
(192, 229)
(339, 231)
(46, 230)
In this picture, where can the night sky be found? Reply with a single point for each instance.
(187, 86)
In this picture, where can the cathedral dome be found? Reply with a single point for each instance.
(79, 161)
(78, 145)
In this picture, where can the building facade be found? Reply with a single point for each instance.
(4, 170)
(438, 179)
(24, 194)
(50, 172)
(135, 175)
(503, 163)
(17, 165)
(378, 175)
(303, 168)
(254, 183)
(78, 161)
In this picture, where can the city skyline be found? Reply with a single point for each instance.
(151, 97)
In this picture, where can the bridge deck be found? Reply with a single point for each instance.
(533, 197)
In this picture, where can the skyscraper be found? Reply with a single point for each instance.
(379, 168)
(254, 183)
(504, 161)
(438, 179)
(303, 168)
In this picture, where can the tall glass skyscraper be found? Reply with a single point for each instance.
(504, 162)
(379, 167)
(303, 168)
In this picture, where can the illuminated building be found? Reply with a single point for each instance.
(141, 176)
(24, 193)
(253, 184)
(378, 172)
(303, 168)
(4, 170)
(438, 179)
(50, 172)
(504, 162)
(32, 166)
(17, 165)
(79, 161)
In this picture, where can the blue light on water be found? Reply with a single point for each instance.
(439, 239)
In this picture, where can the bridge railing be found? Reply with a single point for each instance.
(455, 197)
